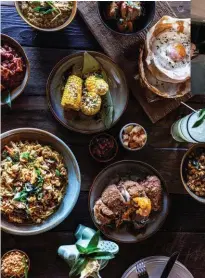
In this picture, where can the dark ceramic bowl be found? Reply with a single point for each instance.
(121, 136)
(23, 253)
(112, 175)
(183, 168)
(18, 90)
(112, 152)
(60, 27)
(118, 89)
(140, 24)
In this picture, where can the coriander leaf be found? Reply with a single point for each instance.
(81, 249)
(38, 172)
(93, 243)
(21, 196)
(102, 255)
(25, 155)
(40, 180)
(57, 173)
(79, 265)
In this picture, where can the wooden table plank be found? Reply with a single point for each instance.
(44, 258)
(185, 224)
(76, 35)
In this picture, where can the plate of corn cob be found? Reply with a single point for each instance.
(87, 92)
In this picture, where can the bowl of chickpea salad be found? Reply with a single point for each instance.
(47, 16)
(193, 172)
(40, 181)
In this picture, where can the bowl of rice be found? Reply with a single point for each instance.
(47, 16)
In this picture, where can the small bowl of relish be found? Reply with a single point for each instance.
(103, 147)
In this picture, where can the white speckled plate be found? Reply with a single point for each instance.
(155, 265)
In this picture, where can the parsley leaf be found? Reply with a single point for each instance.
(58, 173)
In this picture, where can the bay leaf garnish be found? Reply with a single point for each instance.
(107, 109)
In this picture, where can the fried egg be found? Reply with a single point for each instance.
(168, 50)
(159, 87)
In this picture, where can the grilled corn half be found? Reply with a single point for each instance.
(72, 93)
(90, 104)
(96, 85)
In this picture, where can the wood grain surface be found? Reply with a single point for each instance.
(198, 10)
(184, 229)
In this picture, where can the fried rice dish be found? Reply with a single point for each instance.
(33, 181)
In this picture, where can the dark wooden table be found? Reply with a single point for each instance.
(184, 229)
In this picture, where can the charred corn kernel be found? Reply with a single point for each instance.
(90, 84)
(72, 93)
(96, 85)
(90, 104)
(101, 87)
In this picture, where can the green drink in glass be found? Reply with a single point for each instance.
(191, 128)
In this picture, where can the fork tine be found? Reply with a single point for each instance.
(141, 270)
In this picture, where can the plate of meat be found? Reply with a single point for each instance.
(128, 201)
(15, 69)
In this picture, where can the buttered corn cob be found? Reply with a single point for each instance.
(90, 103)
(72, 93)
(96, 85)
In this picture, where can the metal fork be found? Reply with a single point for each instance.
(141, 270)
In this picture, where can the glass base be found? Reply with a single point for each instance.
(175, 136)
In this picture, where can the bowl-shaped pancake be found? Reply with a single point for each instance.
(161, 88)
(168, 49)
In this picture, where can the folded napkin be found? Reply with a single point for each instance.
(83, 235)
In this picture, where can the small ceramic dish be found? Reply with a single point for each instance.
(103, 147)
(60, 27)
(24, 255)
(72, 190)
(183, 170)
(139, 25)
(81, 123)
(18, 90)
(112, 175)
(129, 139)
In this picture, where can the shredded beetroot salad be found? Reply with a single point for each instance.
(12, 68)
